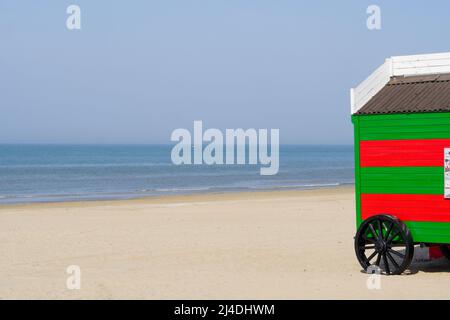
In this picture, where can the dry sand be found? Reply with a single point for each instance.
(266, 245)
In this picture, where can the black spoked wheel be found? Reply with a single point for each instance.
(386, 242)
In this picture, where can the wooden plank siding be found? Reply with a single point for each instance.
(408, 207)
(398, 153)
(405, 126)
(402, 180)
(400, 171)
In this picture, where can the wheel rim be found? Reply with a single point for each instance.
(385, 242)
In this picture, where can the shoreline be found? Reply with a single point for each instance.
(174, 198)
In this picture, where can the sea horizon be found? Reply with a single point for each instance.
(54, 172)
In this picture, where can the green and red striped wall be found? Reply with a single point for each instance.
(399, 160)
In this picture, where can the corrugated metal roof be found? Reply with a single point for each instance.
(429, 93)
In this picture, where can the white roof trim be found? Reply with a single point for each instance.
(423, 64)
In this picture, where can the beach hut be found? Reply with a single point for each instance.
(401, 118)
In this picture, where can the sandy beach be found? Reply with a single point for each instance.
(255, 245)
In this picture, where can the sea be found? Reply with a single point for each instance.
(54, 173)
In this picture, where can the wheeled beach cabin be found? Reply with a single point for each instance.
(401, 118)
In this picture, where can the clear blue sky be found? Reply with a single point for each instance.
(139, 69)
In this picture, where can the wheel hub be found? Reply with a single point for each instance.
(381, 246)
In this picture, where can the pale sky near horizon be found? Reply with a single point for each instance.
(138, 70)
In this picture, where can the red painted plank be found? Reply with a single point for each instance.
(403, 153)
(407, 207)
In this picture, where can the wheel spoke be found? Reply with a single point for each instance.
(371, 256)
(392, 260)
(366, 247)
(394, 236)
(369, 239)
(380, 229)
(388, 232)
(398, 254)
(377, 263)
(372, 229)
(386, 264)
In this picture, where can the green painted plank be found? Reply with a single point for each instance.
(403, 116)
(404, 136)
(429, 232)
(408, 123)
(429, 128)
(402, 180)
(404, 126)
(355, 121)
